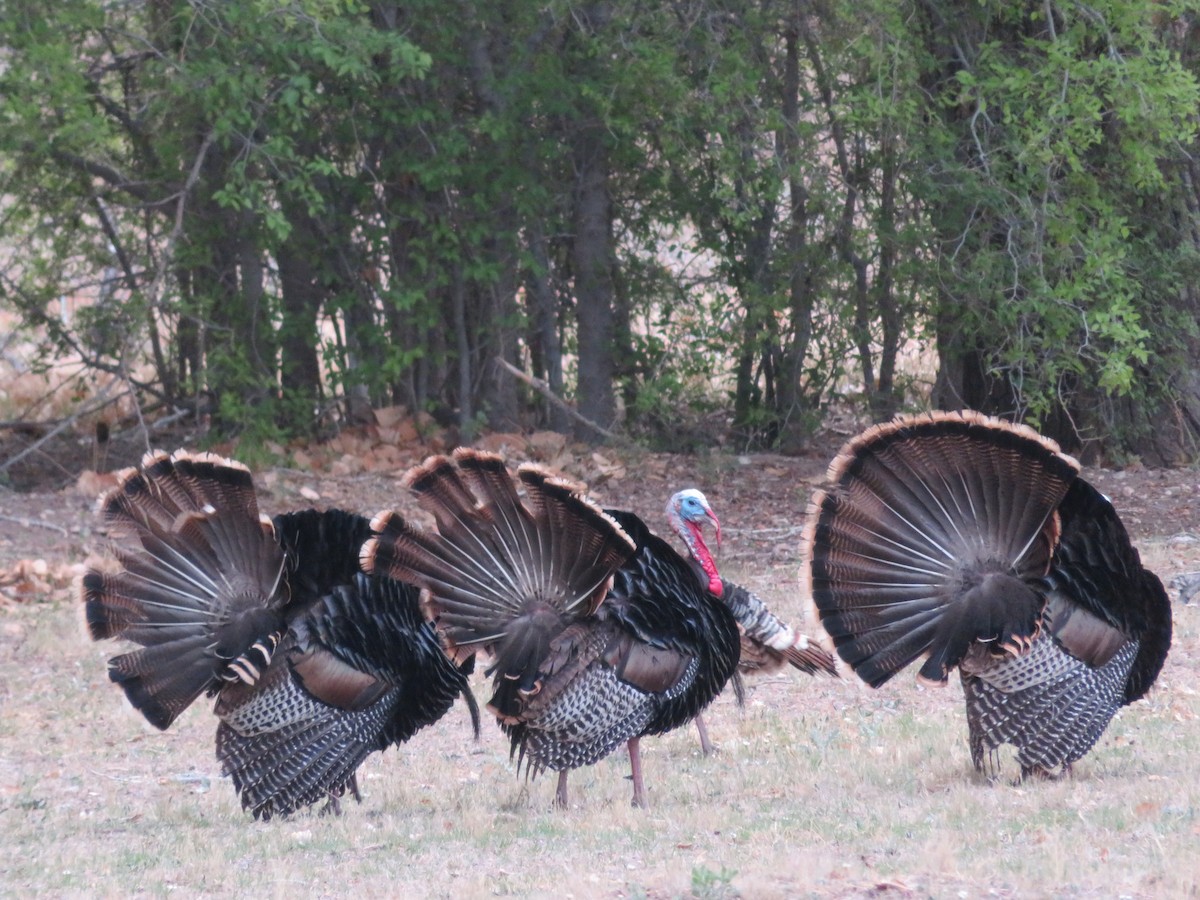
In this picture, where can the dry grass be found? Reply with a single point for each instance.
(821, 788)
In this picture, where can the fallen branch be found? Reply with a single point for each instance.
(33, 523)
(544, 389)
(767, 534)
(101, 401)
(159, 424)
(27, 424)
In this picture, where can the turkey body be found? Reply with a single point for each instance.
(975, 544)
(599, 633)
(314, 664)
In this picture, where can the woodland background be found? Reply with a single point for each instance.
(705, 225)
(698, 222)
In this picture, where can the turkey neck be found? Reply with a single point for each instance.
(693, 538)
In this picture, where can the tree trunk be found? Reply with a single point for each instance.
(462, 346)
(793, 406)
(884, 399)
(545, 342)
(755, 280)
(237, 336)
(591, 259)
(498, 391)
(302, 295)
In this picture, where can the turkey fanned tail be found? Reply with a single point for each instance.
(974, 542)
(498, 572)
(924, 541)
(202, 590)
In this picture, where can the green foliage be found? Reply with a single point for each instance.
(796, 195)
(710, 885)
(1049, 234)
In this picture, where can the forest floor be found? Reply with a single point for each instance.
(46, 509)
(826, 821)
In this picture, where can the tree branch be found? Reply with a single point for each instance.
(101, 401)
(544, 389)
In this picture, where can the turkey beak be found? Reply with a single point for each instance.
(716, 524)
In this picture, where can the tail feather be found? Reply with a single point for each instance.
(139, 499)
(193, 509)
(912, 479)
(579, 533)
(160, 682)
(243, 552)
(139, 609)
(218, 482)
(441, 491)
(923, 540)
(164, 485)
(173, 566)
(466, 585)
(203, 583)
(764, 628)
(810, 659)
(489, 478)
(495, 560)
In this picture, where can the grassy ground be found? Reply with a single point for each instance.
(821, 788)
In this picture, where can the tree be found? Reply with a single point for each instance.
(187, 143)
(294, 213)
(1046, 171)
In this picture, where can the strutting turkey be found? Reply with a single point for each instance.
(976, 543)
(314, 664)
(599, 632)
(767, 641)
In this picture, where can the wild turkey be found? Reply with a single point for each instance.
(976, 543)
(767, 642)
(599, 633)
(314, 664)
